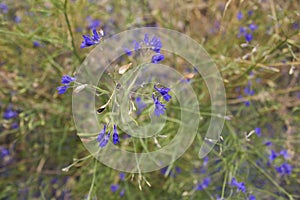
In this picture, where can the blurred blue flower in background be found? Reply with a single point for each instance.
(4, 7)
(159, 107)
(91, 40)
(164, 92)
(115, 136)
(157, 58)
(240, 185)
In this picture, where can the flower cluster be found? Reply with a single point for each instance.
(246, 31)
(204, 184)
(103, 138)
(66, 80)
(92, 40)
(115, 187)
(239, 185)
(153, 44)
(283, 168)
(159, 107)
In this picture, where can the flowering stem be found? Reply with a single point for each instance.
(270, 178)
(70, 31)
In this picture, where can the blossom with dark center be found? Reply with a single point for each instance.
(164, 92)
(91, 40)
(157, 58)
(115, 136)
(159, 107)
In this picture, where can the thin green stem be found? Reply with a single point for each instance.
(93, 180)
(70, 31)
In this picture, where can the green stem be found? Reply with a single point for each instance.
(93, 180)
(70, 31)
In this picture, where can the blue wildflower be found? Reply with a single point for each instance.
(157, 58)
(252, 197)
(268, 143)
(204, 184)
(273, 155)
(140, 105)
(239, 16)
(146, 39)
(4, 152)
(252, 27)
(114, 187)
(159, 107)
(248, 37)
(257, 131)
(164, 92)
(9, 113)
(284, 153)
(247, 103)
(91, 40)
(155, 44)
(14, 125)
(127, 51)
(295, 26)
(66, 79)
(105, 140)
(17, 19)
(284, 169)
(62, 89)
(122, 192)
(36, 44)
(101, 134)
(242, 31)
(122, 176)
(115, 136)
(4, 7)
(137, 46)
(250, 13)
(240, 185)
(94, 23)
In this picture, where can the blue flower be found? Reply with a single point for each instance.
(127, 51)
(252, 197)
(140, 104)
(159, 107)
(240, 185)
(204, 184)
(3, 7)
(105, 140)
(36, 44)
(101, 134)
(272, 156)
(252, 27)
(242, 31)
(122, 192)
(157, 58)
(284, 169)
(155, 44)
(4, 152)
(122, 176)
(146, 39)
(9, 113)
(93, 23)
(14, 125)
(62, 89)
(284, 153)
(17, 19)
(257, 131)
(66, 79)
(91, 40)
(164, 92)
(248, 37)
(239, 15)
(268, 143)
(137, 45)
(115, 136)
(114, 187)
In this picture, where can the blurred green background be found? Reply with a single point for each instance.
(256, 46)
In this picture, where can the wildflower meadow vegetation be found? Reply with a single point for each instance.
(43, 155)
